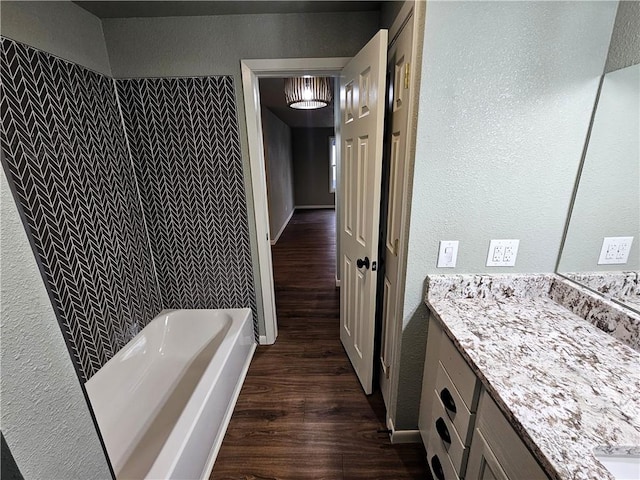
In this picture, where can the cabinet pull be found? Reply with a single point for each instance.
(443, 431)
(436, 466)
(447, 400)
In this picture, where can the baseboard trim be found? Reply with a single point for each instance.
(337, 282)
(403, 436)
(262, 340)
(310, 207)
(275, 239)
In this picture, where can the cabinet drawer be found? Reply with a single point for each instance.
(444, 430)
(450, 399)
(460, 373)
(437, 456)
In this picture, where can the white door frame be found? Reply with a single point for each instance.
(252, 70)
(411, 12)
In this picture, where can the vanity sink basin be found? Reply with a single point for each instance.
(622, 467)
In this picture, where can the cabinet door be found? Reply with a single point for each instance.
(496, 445)
(483, 464)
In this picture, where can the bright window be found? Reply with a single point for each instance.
(333, 165)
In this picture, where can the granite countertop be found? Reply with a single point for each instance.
(621, 286)
(566, 386)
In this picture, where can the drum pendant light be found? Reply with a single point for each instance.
(307, 93)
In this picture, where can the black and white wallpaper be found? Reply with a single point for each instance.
(184, 140)
(66, 156)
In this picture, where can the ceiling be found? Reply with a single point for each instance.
(272, 97)
(126, 9)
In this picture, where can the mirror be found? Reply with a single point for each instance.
(607, 199)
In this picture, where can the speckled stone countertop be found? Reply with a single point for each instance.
(609, 316)
(623, 287)
(566, 387)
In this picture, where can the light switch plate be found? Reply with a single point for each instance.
(503, 253)
(448, 253)
(615, 250)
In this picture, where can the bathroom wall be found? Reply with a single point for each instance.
(624, 49)
(66, 155)
(214, 45)
(506, 94)
(279, 171)
(58, 27)
(311, 167)
(44, 419)
(183, 136)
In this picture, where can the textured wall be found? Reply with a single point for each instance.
(311, 166)
(608, 198)
(214, 45)
(65, 148)
(625, 40)
(505, 99)
(45, 418)
(279, 170)
(58, 27)
(183, 135)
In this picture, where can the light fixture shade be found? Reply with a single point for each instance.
(307, 93)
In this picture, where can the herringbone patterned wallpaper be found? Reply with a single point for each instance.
(65, 150)
(66, 155)
(184, 140)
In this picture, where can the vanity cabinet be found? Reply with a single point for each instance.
(449, 401)
(465, 434)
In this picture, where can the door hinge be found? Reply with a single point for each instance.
(407, 69)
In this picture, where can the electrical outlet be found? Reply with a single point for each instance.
(509, 253)
(503, 253)
(615, 250)
(498, 253)
(448, 253)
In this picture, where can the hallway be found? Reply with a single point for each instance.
(301, 413)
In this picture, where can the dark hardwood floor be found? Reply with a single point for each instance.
(302, 413)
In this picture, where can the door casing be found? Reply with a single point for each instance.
(252, 70)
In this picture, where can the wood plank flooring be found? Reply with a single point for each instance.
(302, 413)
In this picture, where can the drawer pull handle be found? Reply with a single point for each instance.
(436, 466)
(443, 431)
(447, 400)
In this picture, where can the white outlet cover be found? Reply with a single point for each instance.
(448, 253)
(615, 250)
(502, 253)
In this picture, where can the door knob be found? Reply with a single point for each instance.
(363, 263)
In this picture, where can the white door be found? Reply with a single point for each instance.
(399, 66)
(362, 104)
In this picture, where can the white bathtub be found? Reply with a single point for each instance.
(164, 401)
